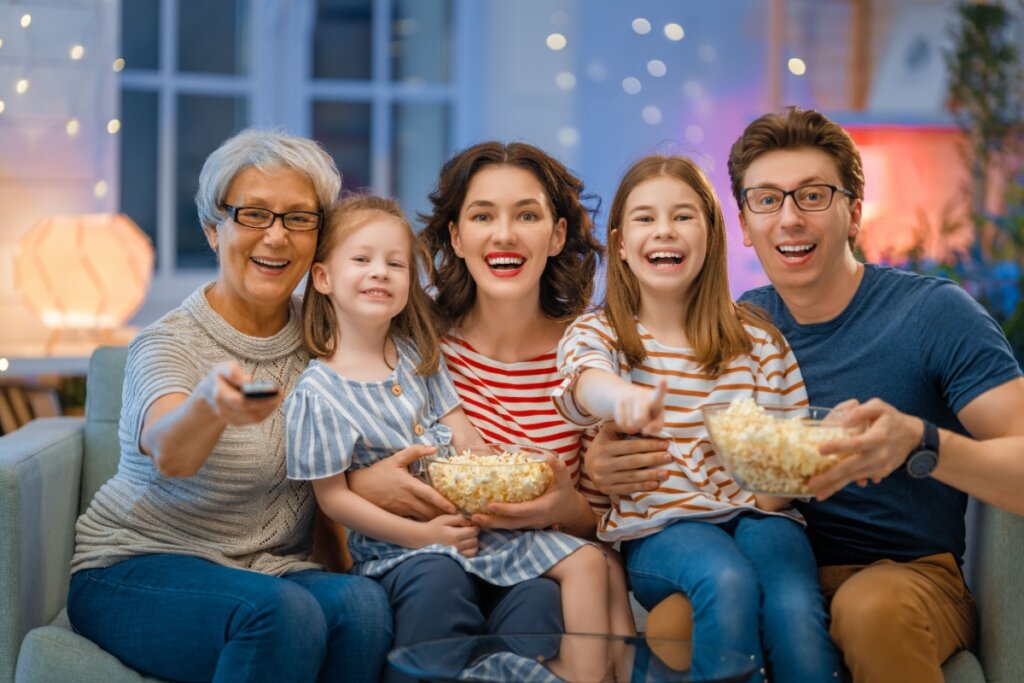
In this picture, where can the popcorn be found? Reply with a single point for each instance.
(471, 481)
(768, 454)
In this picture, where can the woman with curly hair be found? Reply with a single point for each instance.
(515, 256)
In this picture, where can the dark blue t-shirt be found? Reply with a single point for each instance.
(923, 345)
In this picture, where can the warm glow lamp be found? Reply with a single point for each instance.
(85, 273)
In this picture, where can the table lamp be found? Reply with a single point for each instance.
(85, 273)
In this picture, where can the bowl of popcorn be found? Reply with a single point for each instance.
(482, 474)
(770, 449)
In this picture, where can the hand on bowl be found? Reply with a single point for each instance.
(773, 450)
(489, 473)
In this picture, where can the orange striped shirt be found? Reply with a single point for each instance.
(698, 485)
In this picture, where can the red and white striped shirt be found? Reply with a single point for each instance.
(511, 402)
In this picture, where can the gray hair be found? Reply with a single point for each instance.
(263, 149)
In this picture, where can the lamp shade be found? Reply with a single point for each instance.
(88, 271)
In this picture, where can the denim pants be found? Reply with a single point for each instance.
(752, 582)
(188, 619)
(434, 597)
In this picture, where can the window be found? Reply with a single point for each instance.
(370, 79)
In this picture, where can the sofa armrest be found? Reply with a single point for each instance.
(995, 558)
(40, 476)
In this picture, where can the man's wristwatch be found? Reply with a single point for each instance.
(922, 460)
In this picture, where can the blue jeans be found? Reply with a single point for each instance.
(433, 597)
(751, 581)
(188, 619)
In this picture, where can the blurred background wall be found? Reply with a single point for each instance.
(124, 100)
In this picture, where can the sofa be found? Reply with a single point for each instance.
(50, 469)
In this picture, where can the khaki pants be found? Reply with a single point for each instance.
(898, 621)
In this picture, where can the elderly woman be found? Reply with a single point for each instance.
(191, 562)
(516, 256)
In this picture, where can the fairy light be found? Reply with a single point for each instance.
(113, 125)
(118, 65)
(72, 127)
(797, 67)
(674, 32)
(77, 52)
(21, 87)
(556, 41)
(26, 20)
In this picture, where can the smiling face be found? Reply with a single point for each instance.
(800, 250)
(663, 237)
(367, 275)
(260, 268)
(505, 233)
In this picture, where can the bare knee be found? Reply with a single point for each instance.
(585, 561)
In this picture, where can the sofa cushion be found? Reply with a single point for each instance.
(963, 667)
(57, 653)
(102, 414)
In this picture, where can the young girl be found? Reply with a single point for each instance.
(374, 388)
(668, 340)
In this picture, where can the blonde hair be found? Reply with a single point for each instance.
(714, 324)
(414, 324)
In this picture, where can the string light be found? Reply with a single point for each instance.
(77, 52)
(674, 32)
(1, 42)
(2, 106)
(656, 68)
(21, 87)
(797, 66)
(568, 136)
(113, 125)
(118, 64)
(651, 115)
(565, 80)
(641, 26)
(631, 85)
(4, 365)
(100, 189)
(556, 41)
(72, 127)
(26, 20)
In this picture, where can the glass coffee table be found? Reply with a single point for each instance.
(572, 658)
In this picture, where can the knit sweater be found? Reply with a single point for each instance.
(239, 509)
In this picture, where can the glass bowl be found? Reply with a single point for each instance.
(770, 449)
(489, 473)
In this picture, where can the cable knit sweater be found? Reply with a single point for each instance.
(239, 509)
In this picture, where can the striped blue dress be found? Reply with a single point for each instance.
(335, 424)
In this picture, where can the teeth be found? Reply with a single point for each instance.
(506, 261)
(377, 292)
(793, 248)
(269, 263)
(665, 254)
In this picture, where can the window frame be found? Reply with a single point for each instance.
(280, 90)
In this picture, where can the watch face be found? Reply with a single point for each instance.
(922, 463)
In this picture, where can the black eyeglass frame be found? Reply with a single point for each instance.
(792, 193)
(233, 212)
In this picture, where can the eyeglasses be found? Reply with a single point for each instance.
(807, 197)
(255, 217)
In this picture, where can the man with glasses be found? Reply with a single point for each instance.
(930, 375)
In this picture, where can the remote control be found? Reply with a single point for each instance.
(261, 388)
